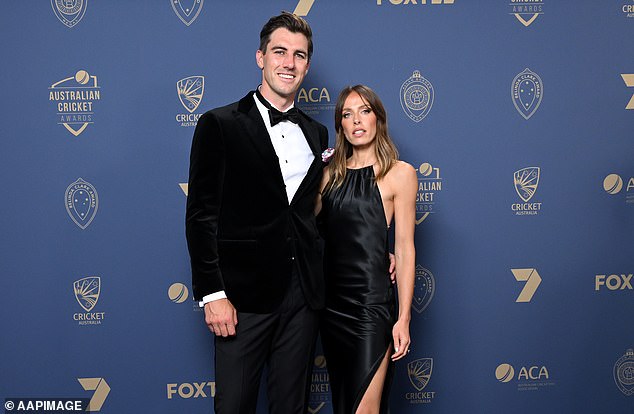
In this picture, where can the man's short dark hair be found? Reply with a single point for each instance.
(290, 22)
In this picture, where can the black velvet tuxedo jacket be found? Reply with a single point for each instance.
(243, 235)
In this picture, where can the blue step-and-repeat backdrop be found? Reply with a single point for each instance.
(517, 114)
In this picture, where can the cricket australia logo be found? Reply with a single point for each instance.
(424, 288)
(527, 91)
(526, 181)
(417, 97)
(187, 10)
(190, 92)
(624, 373)
(82, 202)
(69, 12)
(419, 372)
(87, 292)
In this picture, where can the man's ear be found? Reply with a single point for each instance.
(259, 59)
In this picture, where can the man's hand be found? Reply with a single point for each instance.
(221, 317)
(392, 268)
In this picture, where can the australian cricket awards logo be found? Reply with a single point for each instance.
(526, 182)
(319, 386)
(429, 183)
(87, 291)
(526, 11)
(187, 10)
(69, 12)
(614, 183)
(417, 97)
(315, 100)
(624, 373)
(424, 289)
(527, 91)
(419, 373)
(190, 93)
(82, 202)
(74, 99)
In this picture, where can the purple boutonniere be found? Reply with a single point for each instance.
(327, 154)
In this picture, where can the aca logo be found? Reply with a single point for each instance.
(526, 11)
(82, 202)
(424, 288)
(417, 97)
(429, 183)
(319, 386)
(74, 99)
(314, 100)
(529, 377)
(399, 2)
(87, 291)
(532, 279)
(613, 184)
(69, 12)
(204, 389)
(187, 10)
(419, 373)
(303, 7)
(190, 93)
(527, 91)
(628, 10)
(178, 293)
(628, 78)
(101, 389)
(624, 373)
(526, 181)
(613, 282)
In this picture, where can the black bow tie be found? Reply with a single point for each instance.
(276, 116)
(290, 115)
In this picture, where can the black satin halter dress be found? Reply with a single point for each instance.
(356, 325)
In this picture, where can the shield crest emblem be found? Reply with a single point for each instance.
(424, 288)
(87, 291)
(419, 372)
(187, 10)
(190, 92)
(527, 91)
(69, 12)
(526, 181)
(417, 97)
(82, 202)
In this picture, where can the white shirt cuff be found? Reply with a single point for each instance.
(211, 297)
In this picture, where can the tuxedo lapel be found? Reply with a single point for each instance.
(249, 117)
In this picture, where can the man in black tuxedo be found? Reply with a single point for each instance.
(255, 251)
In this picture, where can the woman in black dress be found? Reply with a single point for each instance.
(364, 189)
